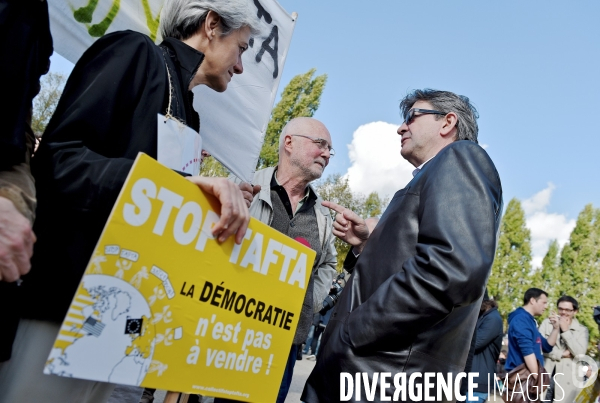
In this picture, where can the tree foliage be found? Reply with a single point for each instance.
(300, 98)
(547, 277)
(212, 167)
(44, 104)
(510, 275)
(335, 188)
(579, 274)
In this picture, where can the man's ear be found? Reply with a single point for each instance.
(285, 147)
(212, 24)
(449, 124)
(288, 141)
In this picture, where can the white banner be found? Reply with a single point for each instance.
(233, 123)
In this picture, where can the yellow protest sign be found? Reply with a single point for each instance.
(162, 304)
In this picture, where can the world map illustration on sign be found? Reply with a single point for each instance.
(110, 333)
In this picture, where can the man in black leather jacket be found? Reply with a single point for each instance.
(413, 300)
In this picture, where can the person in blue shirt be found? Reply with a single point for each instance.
(525, 343)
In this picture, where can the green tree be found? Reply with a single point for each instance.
(548, 276)
(373, 205)
(300, 98)
(335, 188)
(580, 269)
(44, 104)
(212, 167)
(510, 275)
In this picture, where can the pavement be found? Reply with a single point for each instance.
(302, 370)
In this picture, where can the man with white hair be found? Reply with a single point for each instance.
(290, 205)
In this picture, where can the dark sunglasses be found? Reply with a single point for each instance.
(411, 114)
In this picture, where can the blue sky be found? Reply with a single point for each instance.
(531, 68)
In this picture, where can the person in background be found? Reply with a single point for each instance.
(525, 343)
(572, 340)
(488, 343)
(107, 114)
(500, 370)
(25, 49)
(311, 332)
(319, 329)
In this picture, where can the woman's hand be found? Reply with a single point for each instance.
(234, 215)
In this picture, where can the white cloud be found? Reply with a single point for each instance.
(539, 201)
(545, 226)
(376, 163)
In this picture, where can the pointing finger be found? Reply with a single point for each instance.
(334, 206)
(353, 217)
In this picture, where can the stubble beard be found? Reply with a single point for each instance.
(312, 175)
(306, 172)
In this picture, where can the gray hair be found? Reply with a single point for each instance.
(180, 19)
(445, 101)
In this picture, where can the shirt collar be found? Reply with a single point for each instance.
(307, 202)
(275, 183)
(417, 169)
(187, 58)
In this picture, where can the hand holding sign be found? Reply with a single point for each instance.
(234, 212)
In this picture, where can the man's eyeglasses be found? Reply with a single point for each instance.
(411, 114)
(565, 310)
(322, 143)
